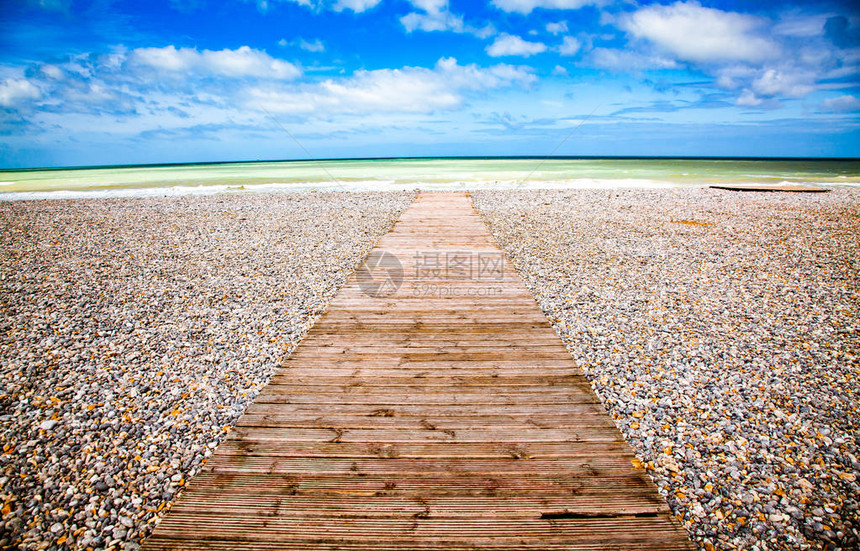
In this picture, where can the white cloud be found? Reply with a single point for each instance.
(608, 19)
(557, 28)
(430, 5)
(569, 46)
(406, 90)
(627, 60)
(241, 62)
(434, 15)
(526, 6)
(558, 70)
(357, 6)
(506, 44)
(429, 22)
(313, 46)
(842, 104)
(800, 26)
(123, 86)
(763, 87)
(247, 62)
(734, 76)
(52, 71)
(704, 35)
(16, 91)
(749, 99)
(784, 83)
(385, 90)
(166, 59)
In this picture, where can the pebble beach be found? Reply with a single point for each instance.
(720, 330)
(134, 332)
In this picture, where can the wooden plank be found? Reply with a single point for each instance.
(248, 445)
(452, 485)
(489, 434)
(449, 410)
(425, 422)
(797, 188)
(615, 465)
(407, 532)
(596, 503)
(444, 413)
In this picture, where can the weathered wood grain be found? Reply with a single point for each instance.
(445, 414)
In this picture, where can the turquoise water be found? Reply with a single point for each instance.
(395, 174)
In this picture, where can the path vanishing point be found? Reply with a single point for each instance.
(431, 407)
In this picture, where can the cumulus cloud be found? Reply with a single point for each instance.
(429, 22)
(733, 77)
(695, 33)
(795, 25)
(13, 92)
(510, 45)
(430, 5)
(175, 85)
(764, 86)
(748, 98)
(569, 46)
(792, 84)
(52, 71)
(526, 6)
(357, 6)
(763, 60)
(627, 60)
(313, 46)
(557, 28)
(434, 15)
(132, 84)
(241, 62)
(406, 90)
(842, 104)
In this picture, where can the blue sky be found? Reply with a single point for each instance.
(101, 82)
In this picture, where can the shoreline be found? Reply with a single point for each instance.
(375, 186)
(451, 174)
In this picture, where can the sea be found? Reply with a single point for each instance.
(419, 173)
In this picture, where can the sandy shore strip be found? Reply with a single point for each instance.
(134, 332)
(721, 331)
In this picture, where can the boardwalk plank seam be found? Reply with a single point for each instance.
(444, 414)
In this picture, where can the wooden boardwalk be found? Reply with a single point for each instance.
(432, 407)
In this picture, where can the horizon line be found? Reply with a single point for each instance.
(437, 157)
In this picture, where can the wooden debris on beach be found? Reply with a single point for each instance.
(796, 188)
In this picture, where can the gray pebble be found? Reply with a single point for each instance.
(149, 333)
(716, 329)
